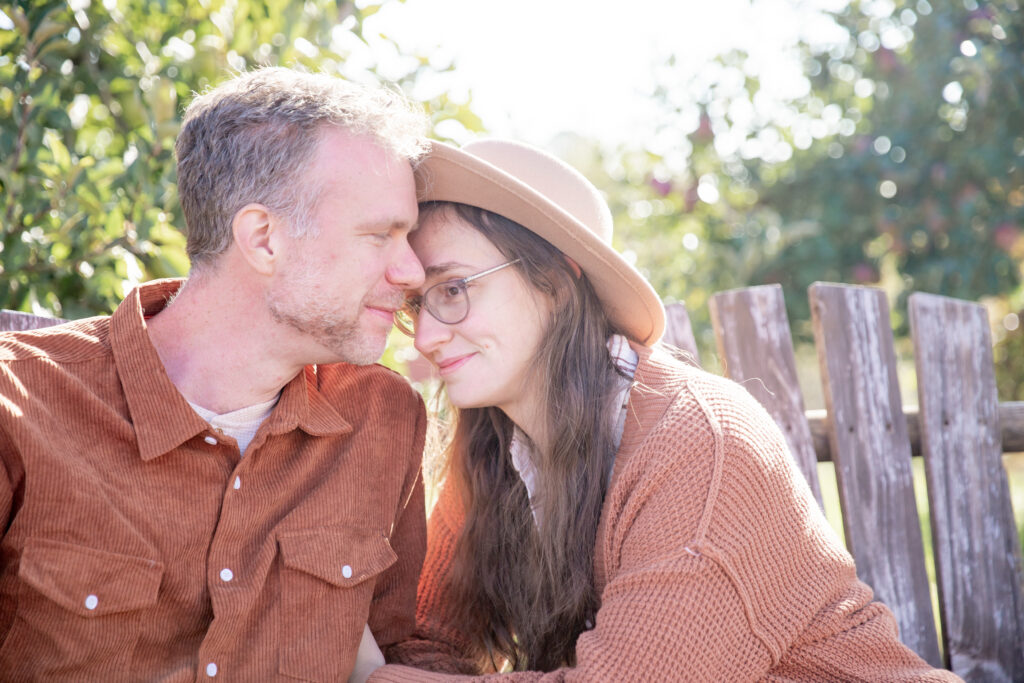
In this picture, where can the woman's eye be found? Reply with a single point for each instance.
(452, 291)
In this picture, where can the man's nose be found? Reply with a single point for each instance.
(405, 270)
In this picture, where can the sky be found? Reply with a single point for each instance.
(535, 68)
(539, 67)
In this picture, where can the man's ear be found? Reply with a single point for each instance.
(256, 232)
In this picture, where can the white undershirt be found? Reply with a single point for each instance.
(521, 450)
(241, 424)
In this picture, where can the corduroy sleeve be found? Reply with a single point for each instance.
(6, 486)
(6, 492)
(436, 645)
(392, 613)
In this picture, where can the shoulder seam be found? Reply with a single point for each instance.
(716, 473)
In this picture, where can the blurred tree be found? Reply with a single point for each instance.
(1009, 360)
(901, 164)
(91, 96)
(929, 184)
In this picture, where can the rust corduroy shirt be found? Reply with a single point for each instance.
(713, 561)
(138, 545)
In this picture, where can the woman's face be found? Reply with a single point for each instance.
(487, 359)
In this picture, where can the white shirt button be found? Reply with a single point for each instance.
(226, 574)
(210, 440)
(346, 571)
(238, 483)
(91, 601)
(211, 669)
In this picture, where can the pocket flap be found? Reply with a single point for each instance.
(342, 557)
(87, 581)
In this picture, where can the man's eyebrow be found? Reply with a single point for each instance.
(388, 223)
(442, 268)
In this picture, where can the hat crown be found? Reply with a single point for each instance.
(557, 181)
(553, 200)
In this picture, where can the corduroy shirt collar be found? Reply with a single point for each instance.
(162, 417)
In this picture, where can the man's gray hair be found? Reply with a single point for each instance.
(250, 139)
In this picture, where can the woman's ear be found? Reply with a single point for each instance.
(573, 266)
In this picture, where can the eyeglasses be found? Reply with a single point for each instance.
(447, 301)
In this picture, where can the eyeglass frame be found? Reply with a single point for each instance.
(413, 314)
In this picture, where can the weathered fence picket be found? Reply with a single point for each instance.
(756, 350)
(977, 553)
(11, 321)
(871, 451)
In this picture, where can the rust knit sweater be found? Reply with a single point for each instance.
(713, 562)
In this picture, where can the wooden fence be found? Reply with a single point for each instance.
(960, 430)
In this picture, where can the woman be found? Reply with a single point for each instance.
(609, 513)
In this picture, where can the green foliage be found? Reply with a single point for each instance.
(91, 98)
(929, 185)
(902, 165)
(1009, 361)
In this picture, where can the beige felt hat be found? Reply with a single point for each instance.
(547, 196)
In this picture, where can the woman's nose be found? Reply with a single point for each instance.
(431, 334)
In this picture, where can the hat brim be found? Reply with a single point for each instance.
(451, 175)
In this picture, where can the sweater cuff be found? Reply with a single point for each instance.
(399, 673)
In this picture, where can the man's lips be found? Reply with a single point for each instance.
(450, 365)
(383, 310)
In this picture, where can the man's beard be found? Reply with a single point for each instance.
(295, 303)
(341, 336)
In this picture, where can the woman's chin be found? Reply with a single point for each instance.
(465, 399)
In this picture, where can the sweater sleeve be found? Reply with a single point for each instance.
(645, 630)
(718, 567)
(651, 623)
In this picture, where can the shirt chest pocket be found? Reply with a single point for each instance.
(328, 577)
(82, 602)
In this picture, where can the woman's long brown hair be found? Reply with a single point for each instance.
(524, 589)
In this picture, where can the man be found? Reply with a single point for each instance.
(214, 482)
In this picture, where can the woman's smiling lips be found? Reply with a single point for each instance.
(450, 365)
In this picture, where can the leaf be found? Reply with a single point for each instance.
(57, 119)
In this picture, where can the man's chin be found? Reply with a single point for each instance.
(365, 352)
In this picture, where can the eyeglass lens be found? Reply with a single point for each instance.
(446, 301)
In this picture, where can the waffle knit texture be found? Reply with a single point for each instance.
(138, 546)
(712, 561)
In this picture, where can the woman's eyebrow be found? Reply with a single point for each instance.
(442, 268)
